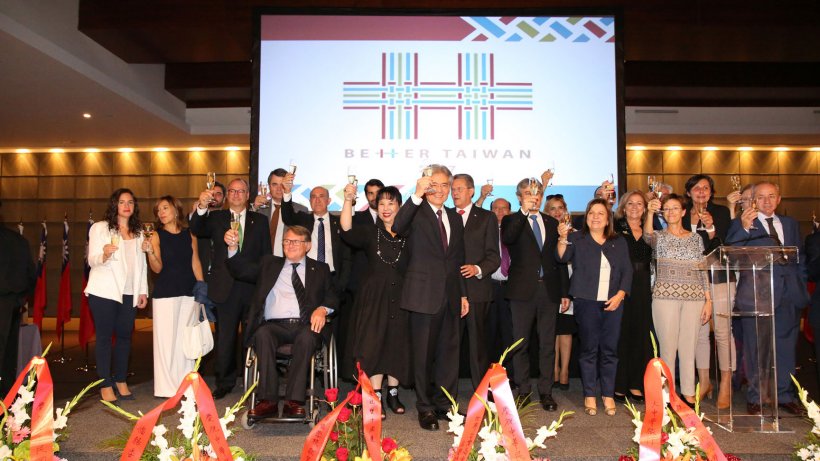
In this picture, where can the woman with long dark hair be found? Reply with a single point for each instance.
(173, 255)
(117, 287)
(380, 327)
(635, 347)
(601, 279)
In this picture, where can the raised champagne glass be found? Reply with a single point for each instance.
(292, 166)
(148, 229)
(427, 172)
(535, 191)
(490, 183)
(210, 182)
(567, 219)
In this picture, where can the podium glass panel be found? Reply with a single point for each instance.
(751, 318)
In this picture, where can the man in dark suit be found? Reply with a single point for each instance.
(433, 291)
(536, 287)
(231, 296)
(763, 227)
(481, 258)
(273, 209)
(813, 265)
(324, 231)
(290, 305)
(17, 279)
(499, 319)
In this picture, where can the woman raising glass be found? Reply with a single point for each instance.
(117, 286)
(379, 337)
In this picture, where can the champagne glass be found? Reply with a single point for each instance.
(699, 209)
(148, 229)
(567, 219)
(351, 176)
(490, 183)
(210, 182)
(427, 172)
(115, 240)
(292, 166)
(754, 207)
(535, 191)
(235, 221)
(552, 170)
(610, 190)
(262, 189)
(736, 184)
(814, 223)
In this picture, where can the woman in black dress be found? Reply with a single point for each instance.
(379, 336)
(635, 346)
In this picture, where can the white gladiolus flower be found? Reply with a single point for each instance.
(804, 454)
(5, 452)
(675, 445)
(26, 395)
(61, 420)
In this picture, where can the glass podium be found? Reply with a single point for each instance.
(751, 320)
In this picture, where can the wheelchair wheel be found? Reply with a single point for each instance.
(246, 421)
(314, 418)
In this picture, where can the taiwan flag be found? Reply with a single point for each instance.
(64, 298)
(39, 303)
(86, 321)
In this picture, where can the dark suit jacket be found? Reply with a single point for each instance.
(341, 252)
(720, 215)
(812, 257)
(318, 287)
(358, 256)
(788, 280)
(481, 249)
(255, 244)
(526, 259)
(585, 256)
(433, 276)
(17, 271)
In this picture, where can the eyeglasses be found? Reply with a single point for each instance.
(674, 208)
(554, 196)
(292, 242)
(237, 191)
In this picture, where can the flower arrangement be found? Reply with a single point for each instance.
(491, 434)
(347, 438)
(810, 449)
(21, 426)
(196, 438)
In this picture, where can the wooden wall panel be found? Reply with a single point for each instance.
(176, 186)
(22, 188)
(169, 163)
(140, 185)
(132, 163)
(644, 161)
(758, 162)
(96, 187)
(798, 185)
(681, 162)
(797, 162)
(238, 163)
(20, 164)
(716, 162)
(95, 163)
(56, 187)
(57, 164)
(201, 162)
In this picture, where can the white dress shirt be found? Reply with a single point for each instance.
(778, 226)
(281, 302)
(314, 237)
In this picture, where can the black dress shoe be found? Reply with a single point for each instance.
(634, 397)
(293, 409)
(548, 403)
(620, 398)
(752, 408)
(123, 396)
(793, 408)
(221, 391)
(264, 408)
(428, 421)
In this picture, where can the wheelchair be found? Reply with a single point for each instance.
(323, 367)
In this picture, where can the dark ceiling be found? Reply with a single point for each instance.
(677, 53)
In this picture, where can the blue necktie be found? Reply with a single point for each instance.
(320, 249)
(537, 231)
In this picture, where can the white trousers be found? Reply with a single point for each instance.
(724, 342)
(677, 324)
(170, 365)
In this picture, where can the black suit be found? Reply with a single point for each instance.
(721, 218)
(358, 256)
(813, 266)
(266, 336)
(17, 279)
(534, 297)
(432, 292)
(480, 249)
(341, 252)
(231, 296)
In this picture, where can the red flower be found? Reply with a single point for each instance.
(342, 454)
(344, 415)
(356, 399)
(664, 437)
(626, 458)
(332, 394)
(334, 436)
(389, 445)
(731, 457)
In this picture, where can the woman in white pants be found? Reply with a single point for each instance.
(172, 255)
(681, 301)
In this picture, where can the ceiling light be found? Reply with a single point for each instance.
(23, 151)
(91, 150)
(56, 151)
(710, 148)
(673, 148)
(126, 150)
(231, 148)
(781, 149)
(161, 149)
(745, 149)
(86, 115)
(637, 148)
(815, 149)
(196, 149)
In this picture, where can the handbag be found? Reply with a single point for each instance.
(197, 338)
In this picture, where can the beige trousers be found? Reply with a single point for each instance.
(677, 324)
(722, 319)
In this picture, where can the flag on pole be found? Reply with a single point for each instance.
(86, 321)
(39, 302)
(64, 297)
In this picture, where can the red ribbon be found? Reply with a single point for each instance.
(42, 413)
(512, 433)
(650, 441)
(371, 419)
(207, 413)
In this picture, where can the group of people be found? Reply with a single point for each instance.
(401, 282)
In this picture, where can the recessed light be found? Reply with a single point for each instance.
(126, 150)
(815, 149)
(86, 115)
(91, 150)
(231, 148)
(637, 148)
(781, 149)
(673, 148)
(161, 149)
(23, 151)
(745, 149)
(56, 151)
(710, 148)
(196, 149)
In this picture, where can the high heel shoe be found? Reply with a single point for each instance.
(107, 390)
(706, 391)
(610, 410)
(128, 396)
(590, 409)
(379, 395)
(724, 397)
(392, 400)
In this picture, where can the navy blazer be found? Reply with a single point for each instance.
(585, 256)
(788, 279)
(481, 249)
(813, 265)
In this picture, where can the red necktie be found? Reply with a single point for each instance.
(461, 212)
(505, 257)
(442, 231)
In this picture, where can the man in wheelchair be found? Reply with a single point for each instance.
(293, 297)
